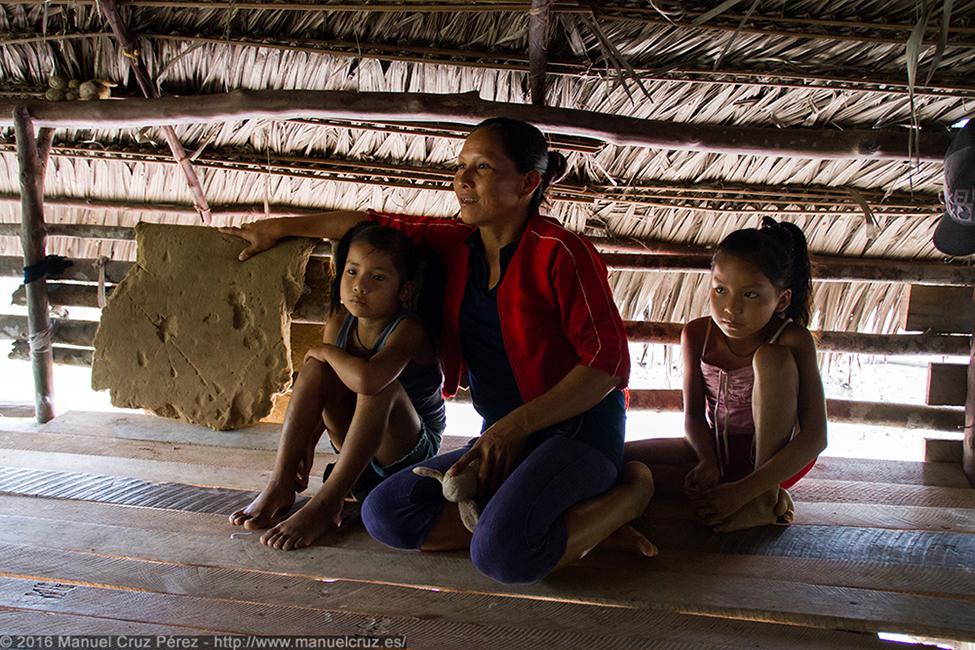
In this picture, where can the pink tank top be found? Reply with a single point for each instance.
(728, 397)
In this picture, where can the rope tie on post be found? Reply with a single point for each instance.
(100, 264)
(41, 342)
(52, 265)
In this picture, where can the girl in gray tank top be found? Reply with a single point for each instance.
(374, 385)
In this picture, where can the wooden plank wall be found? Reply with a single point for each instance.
(115, 523)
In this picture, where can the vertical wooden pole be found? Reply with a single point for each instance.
(32, 156)
(968, 444)
(538, 20)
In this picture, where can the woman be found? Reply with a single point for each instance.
(530, 323)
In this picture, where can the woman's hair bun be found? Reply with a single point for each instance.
(557, 166)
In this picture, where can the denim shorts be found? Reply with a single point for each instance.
(426, 447)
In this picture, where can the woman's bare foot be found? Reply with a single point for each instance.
(637, 480)
(265, 508)
(301, 529)
(629, 540)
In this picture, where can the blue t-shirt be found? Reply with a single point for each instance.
(491, 379)
(494, 390)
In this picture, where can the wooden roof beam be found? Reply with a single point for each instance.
(470, 109)
(825, 268)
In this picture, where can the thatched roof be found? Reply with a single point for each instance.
(835, 65)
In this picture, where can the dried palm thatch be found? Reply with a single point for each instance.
(836, 65)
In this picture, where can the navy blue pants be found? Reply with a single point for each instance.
(521, 534)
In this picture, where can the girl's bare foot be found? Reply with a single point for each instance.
(772, 507)
(301, 529)
(785, 509)
(265, 508)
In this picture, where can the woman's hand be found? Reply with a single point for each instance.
(720, 502)
(702, 478)
(259, 235)
(499, 449)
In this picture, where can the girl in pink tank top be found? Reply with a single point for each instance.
(754, 407)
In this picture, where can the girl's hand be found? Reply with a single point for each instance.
(258, 235)
(499, 450)
(704, 476)
(720, 502)
(319, 352)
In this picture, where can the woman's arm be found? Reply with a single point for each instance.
(262, 235)
(700, 436)
(499, 447)
(371, 376)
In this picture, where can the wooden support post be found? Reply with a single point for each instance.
(538, 19)
(130, 50)
(968, 443)
(32, 157)
(947, 384)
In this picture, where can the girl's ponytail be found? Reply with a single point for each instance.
(780, 250)
(801, 276)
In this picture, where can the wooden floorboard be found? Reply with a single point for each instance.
(837, 491)
(14, 621)
(877, 545)
(225, 600)
(889, 471)
(146, 536)
(864, 515)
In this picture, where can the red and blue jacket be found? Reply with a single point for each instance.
(554, 302)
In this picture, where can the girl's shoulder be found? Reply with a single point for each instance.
(797, 337)
(695, 331)
(412, 335)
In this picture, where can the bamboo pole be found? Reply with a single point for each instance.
(130, 49)
(32, 159)
(468, 108)
(311, 308)
(62, 356)
(66, 331)
(908, 416)
(825, 268)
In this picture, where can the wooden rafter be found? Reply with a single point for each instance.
(469, 108)
(129, 44)
(778, 78)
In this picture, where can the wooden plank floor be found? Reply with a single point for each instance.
(117, 523)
